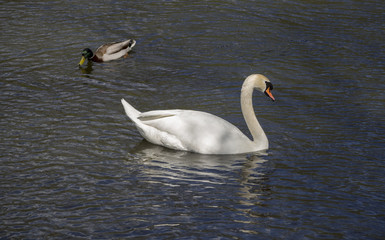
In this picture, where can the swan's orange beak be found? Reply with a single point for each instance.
(269, 94)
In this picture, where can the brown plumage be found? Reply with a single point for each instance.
(108, 51)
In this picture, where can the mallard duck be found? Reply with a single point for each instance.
(108, 51)
(203, 132)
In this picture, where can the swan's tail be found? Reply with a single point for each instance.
(131, 112)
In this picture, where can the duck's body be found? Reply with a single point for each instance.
(108, 52)
(203, 132)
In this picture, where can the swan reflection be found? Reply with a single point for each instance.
(248, 173)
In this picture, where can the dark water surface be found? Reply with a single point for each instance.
(73, 166)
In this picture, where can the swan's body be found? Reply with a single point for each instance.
(203, 132)
(108, 51)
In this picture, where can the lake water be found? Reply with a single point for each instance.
(74, 166)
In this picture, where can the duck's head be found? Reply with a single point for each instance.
(86, 54)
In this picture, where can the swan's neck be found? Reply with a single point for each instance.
(259, 136)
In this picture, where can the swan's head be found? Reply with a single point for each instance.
(261, 83)
(86, 54)
(269, 87)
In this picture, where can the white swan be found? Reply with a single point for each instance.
(203, 132)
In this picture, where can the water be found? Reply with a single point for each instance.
(73, 166)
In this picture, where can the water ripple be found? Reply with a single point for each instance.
(74, 166)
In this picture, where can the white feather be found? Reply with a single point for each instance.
(202, 132)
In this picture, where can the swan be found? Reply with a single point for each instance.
(202, 132)
(108, 51)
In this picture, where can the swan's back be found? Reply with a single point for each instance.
(190, 130)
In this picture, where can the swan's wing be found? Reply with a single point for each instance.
(155, 115)
(155, 135)
(195, 131)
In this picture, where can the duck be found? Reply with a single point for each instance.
(202, 132)
(108, 51)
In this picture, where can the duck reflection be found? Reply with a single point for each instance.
(249, 172)
(88, 69)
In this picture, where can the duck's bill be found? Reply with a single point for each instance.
(82, 61)
(269, 94)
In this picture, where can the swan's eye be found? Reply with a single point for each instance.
(269, 85)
